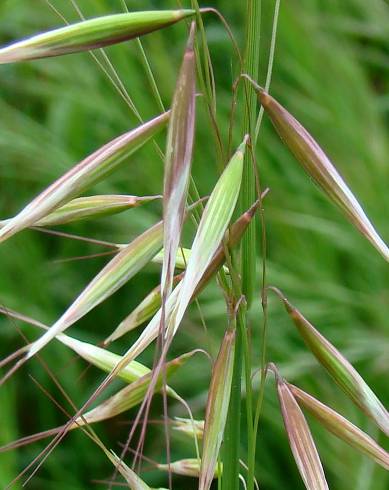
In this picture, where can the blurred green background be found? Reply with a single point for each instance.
(332, 72)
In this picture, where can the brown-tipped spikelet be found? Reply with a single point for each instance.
(300, 439)
(318, 166)
(341, 427)
(217, 409)
(112, 277)
(339, 368)
(178, 160)
(152, 302)
(123, 400)
(192, 428)
(131, 395)
(210, 233)
(82, 176)
(91, 207)
(187, 467)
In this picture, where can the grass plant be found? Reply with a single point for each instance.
(170, 304)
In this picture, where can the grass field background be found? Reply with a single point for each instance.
(331, 71)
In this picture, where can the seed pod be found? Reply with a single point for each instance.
(85, 174)
(181, 259)
(340, 369)
(186, 467)
(193, 428)
(341, 427)
(145, 310)
(318, 166)
(130, 396)
(300, 439)
(92, 207)
(91, 34)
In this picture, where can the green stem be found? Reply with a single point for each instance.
(249, 407)
(150, 75)
(251, 67)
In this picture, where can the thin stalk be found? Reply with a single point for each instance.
(242, 326)
(207, 84)
(263, 344)
(263, 340)
(250, 186)
(269, 66)
(251, 66)
(147, 67)
(150, 75)
(231, 460)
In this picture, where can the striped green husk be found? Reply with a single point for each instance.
(341, 427)
(187, 467)
(85, 174)
(145, 310)
(91, 34)
(178, 160)
(300, 440)
(92, 207)
(213, 224)
(151, 304)
(318, 166)
(122, 401)
(130, 396)
(340, 369)
(112, 277)
(217, 409)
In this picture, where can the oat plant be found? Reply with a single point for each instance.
(216, 237)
